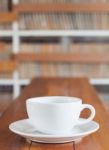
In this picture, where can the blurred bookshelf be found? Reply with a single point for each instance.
(53, 38)
(6, 97)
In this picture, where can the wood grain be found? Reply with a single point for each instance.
(38, 146)
(78, 87)
(95, 7)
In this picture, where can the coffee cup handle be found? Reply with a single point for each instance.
(92, 115)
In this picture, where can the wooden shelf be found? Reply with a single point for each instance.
(7, 17)
(68, 58)
(95, 7)
(7, 66)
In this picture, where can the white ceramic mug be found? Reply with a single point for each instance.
(57, 114)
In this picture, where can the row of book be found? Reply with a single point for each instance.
(61, 21)
(46, 48)
(63, 48)
(5, 26)
(61, 1)
(63, 70)
(3, 5)
(59, 70)
(64, 21)
(6, 75)
(5, 54)
(5, 50)
(53, 48)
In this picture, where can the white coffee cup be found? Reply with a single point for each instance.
(56, 114)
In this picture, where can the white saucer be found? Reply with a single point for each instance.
(26, 130)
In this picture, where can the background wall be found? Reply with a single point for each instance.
(57, 43)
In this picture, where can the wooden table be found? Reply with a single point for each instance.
(41, 87)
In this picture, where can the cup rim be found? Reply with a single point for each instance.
(54, 100)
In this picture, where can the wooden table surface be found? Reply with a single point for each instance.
(78, 87)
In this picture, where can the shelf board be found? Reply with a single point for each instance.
(56, 33)
(99, 81)
(93, 81)
(7, 17)
(12, 81)
(6, 33)
(74, 58)
(61, 33)
(86, 7)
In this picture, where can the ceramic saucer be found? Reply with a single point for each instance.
(26, 130)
